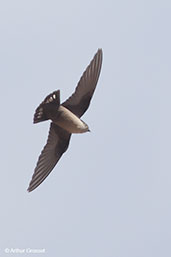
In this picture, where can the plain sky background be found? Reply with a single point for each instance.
(110, 194)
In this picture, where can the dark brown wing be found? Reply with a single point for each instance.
(80, 99)
(57, 144)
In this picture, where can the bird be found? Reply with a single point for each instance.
(65, 119)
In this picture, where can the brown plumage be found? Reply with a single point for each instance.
(65, 120)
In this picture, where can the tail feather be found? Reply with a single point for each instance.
(51, 99)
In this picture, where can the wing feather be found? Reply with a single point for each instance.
(79, 101)
(57, 144)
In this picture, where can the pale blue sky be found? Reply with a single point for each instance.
(110, 194)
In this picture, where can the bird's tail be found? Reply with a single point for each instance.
(42, 111)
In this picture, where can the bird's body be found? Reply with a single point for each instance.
(65, 119)
(69, 121)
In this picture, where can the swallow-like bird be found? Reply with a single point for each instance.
(65, 119)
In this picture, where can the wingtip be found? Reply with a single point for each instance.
(29, 190)
(100, 50)
(32, 187)
(99, 53)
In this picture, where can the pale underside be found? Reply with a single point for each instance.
(69, 121)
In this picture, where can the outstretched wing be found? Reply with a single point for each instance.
(57, 144)
(79, 101)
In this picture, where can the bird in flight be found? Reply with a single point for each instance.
(65, 119)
